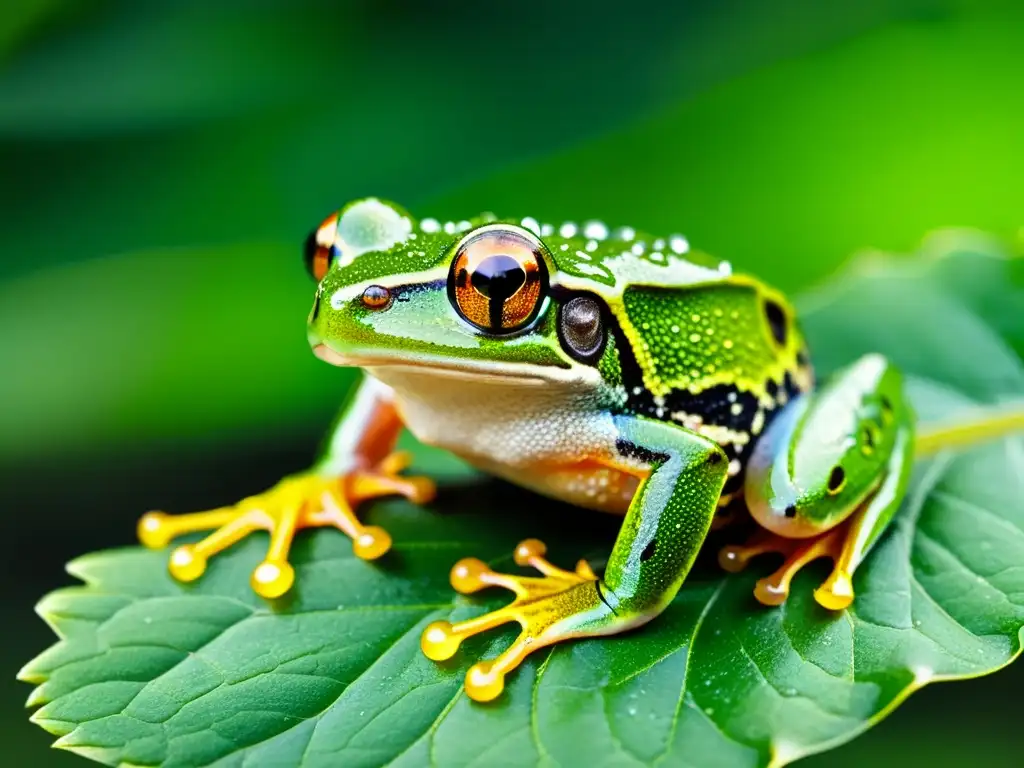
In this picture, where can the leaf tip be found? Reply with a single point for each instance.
(58, 728)
(37, 698)
(29, 674)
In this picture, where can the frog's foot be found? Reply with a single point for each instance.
(557, 606)
(835, 594)
(304, 501)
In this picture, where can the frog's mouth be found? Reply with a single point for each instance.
(476, 370)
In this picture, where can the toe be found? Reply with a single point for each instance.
(152, 531)
(372, 542)
(272, 578)
(483, 682)
(439, 641)
(467, 575)
(185, 564)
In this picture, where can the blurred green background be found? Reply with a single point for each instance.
(161, 162)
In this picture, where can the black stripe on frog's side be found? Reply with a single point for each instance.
(721, 407)
(630, 450)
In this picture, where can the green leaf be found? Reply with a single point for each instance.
(149, 671)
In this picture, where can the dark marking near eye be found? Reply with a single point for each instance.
(316, 307)
(790, 511)
(309, 250)
(836, 479)
(648, 552)
(714, 458)
(868, 435)
(776, 317)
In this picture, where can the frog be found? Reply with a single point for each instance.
(612, 369)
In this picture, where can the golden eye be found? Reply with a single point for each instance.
(376, 297)
(497, 279)
(319, 248)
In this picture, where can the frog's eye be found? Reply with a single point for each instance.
(319, 248)
(497, 279)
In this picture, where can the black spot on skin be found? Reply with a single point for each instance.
(790, 511)
(722, 405)
(772, 389)
(836, 478)
(776, 317)
(789, 386)
(868, 435)
(648, 552)
(639, 453)
(714, 458)
(802, 358)
(316, 307)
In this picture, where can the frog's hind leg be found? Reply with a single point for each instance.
(867, 525)
(846, 544)
(668, 518)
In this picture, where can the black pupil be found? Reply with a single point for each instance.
(498, 277)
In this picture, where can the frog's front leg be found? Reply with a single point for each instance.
(664, 528)
(358, 463)
(826, 479)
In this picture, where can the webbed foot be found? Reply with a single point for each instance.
(836, 593)
(304, 501)
(556, 606)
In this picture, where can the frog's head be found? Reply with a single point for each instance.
(823, 456)
(467, 299)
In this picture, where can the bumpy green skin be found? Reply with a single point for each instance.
(668, 518)
(697, 366)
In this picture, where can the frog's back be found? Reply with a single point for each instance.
(718, 357)
(699, 346)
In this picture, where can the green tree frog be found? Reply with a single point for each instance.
(614, 370)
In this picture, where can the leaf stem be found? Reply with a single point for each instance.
(988, 426)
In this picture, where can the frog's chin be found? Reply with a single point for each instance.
(475, 370)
